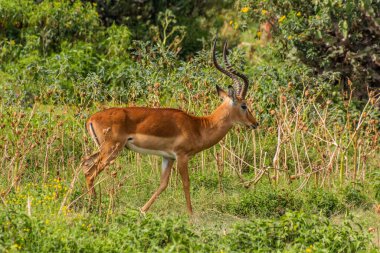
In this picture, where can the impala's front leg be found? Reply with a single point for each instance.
(182, 165)
(167, 164)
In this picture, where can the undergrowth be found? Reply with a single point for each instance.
(34, 220)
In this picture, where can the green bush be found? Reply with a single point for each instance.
(323, 201)
(46, 25)
(52, 47)
(330, 36)
(273, 203)
(355, 197)
(296, 232)
(263, 203)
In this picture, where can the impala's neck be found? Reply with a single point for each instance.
(215, 126)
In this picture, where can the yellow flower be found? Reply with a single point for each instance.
(231, 22)
(298, 14)
(264, 12)
(281, 19)
(309, 249)
(290, 37)
(245, 9)
(16, 246)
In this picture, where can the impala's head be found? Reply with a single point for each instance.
(234, 99)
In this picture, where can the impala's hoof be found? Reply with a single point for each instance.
(143, 213)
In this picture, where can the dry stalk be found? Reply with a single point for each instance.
(235, 156)
(254, 181)
(254, 151)
(220, 168)
(277, 154)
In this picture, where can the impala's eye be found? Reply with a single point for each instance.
(244, 107)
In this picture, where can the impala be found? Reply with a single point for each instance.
(170, 133)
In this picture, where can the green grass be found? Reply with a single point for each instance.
(40, 226)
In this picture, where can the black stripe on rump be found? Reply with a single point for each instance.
(93, 132)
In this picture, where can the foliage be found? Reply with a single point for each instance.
(199, 17)
(168, 35)
(40, 228)
(330, 36)
(43, 27)
(355, 197)
(264, 203)
(325, 202)
(48, 47)
(296, 232)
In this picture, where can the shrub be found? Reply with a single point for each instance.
(49, 23)
(264, 203)
(129, 232)
(329, 36)
(296, 232)
(49, 47)
(323, 201)
(354, 197)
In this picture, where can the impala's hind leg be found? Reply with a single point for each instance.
(89, 168)
(89, 165)
(167, 164)
(102, 159)
(89, 162)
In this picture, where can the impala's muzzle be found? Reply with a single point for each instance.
(254, 125)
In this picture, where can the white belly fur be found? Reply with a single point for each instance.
(151, 151)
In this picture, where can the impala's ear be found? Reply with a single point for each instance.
(231, 93)
(221, 92)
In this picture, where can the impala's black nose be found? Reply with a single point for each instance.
(255, 125)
